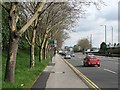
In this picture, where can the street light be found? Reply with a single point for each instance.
(105, 31)
(112, 35)
(90, 41)
(112, 38)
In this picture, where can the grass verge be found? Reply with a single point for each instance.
(24, 76)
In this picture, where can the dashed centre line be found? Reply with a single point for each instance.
(110, 71)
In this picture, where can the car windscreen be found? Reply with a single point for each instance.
(92, 57)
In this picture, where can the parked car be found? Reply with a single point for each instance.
(91, 60)
(67, 56)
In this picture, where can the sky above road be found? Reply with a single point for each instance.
(84, 28)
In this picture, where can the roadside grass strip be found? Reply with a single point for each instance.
(93, 85)
(25, 76)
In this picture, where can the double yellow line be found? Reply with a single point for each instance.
(83, 76)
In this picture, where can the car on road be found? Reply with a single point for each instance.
(72, 54)
(89, 54)
(67, 56)
(91, 60)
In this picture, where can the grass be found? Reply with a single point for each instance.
(23, 74)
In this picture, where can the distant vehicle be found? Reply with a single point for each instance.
(89, 54)
(63, 53)
(60, 51)
(72, 55)
(67, 56)
(91, 60)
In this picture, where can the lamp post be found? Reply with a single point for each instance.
(90, 41)
(112, 35)
(105, 31)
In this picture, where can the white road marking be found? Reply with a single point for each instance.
(110, 71)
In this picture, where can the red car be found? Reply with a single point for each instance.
(91, 60)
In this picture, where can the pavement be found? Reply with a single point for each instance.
(58, 75)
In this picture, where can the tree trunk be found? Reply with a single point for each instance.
(44, 53)
(13, 45)
(46, 49)
(11, 60)
(32, 55)
(32, 58)
(42, 46)
(41, 54)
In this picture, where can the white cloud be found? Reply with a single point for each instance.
(91, 25)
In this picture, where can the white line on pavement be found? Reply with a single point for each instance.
(110, 71)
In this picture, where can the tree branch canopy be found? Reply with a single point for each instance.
(7, 9)
(24, 28)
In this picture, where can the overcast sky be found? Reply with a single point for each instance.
(108, 15)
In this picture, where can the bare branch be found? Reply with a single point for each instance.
(3, 5)
(24, 28)
(27, 40)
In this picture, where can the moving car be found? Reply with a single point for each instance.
(89, 54)
(67, 56)
(91, 60)
(72, 54)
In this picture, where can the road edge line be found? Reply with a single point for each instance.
(88, 81)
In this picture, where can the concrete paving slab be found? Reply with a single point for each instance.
(58, 75)
(62, 76)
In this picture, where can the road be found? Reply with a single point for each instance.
(105, 76)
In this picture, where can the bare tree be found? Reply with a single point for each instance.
(84, 43)
(14, 38)
(56, 16)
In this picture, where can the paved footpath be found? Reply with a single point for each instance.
(58, 75)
